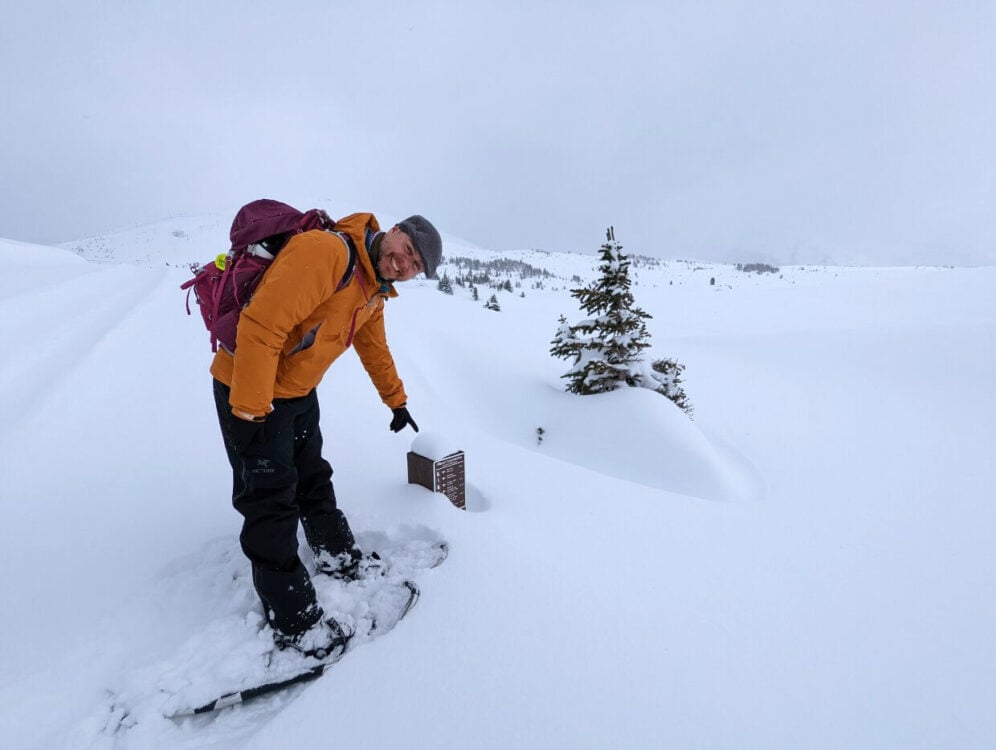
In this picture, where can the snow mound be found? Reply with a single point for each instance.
(643, 437)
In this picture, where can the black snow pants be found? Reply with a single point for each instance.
(279, 479)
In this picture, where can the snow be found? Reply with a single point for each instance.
(434, 445)
(806, 563)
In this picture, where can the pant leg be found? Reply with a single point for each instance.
(264, 490)
(325, 526)
(288, 597)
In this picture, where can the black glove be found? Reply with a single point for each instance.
(242, 432)
(402, 418)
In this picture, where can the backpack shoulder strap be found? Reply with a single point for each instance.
(351, 263)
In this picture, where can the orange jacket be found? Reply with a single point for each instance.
(296, 325)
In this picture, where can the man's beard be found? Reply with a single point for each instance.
(374, 254)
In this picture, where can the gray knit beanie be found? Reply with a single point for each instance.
(426, 240)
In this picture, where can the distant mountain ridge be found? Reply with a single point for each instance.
(186, 240)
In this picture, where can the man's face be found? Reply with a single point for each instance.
(399, 260)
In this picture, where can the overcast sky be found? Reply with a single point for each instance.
(720, 130)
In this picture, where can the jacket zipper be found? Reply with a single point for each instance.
(352, 325)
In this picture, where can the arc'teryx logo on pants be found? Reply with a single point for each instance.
(262, 466)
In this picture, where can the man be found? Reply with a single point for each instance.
(296, 325)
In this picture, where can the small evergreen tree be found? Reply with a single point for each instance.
(492, 304)
(445, 285)
(606, 348)
(667, 373)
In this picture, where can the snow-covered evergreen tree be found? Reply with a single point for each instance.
(667, 374)
(445, 285)
(606, 347)
(492, 304)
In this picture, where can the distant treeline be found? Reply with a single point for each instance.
(500, 266)
(757, 268)
(496, 273)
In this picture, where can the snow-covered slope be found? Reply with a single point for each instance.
(806, 564)
(182, 240)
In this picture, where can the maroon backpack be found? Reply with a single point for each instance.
(259, 231)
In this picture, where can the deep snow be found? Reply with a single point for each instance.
(807, 563)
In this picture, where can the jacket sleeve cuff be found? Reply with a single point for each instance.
(248, 417)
